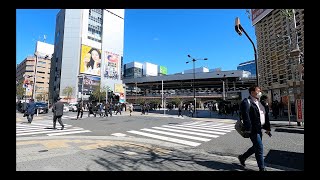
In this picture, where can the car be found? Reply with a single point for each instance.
(65, 108)
(42, 107)
(73, 106)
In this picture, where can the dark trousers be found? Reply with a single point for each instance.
(59, 120)
(79, 111)
(30, 118)
(179, 113)
(257, 149)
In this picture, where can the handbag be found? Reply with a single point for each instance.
(240, 127)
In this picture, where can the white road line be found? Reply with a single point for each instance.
(197, 130)
(177, 135)
(216, 125)
(186, 132)
(47, 131)
(35, 130)
(198, 122)
(175, 140)
(40, 125)
(63, 133)
(118, 134)
(215, 129)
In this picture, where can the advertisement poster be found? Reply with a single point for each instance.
(121, 99)
(111, 66)
(163, 70)
(90, 61)
(118, 88)
(89, 84)
(300, 110)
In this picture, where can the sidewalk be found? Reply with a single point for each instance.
(96, 153)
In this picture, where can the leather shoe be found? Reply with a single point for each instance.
(241, 160)
(62, 127)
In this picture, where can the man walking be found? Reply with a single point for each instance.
(57, 113)
(80, 109)
(255, 118)
(180, 110)
(31, 108)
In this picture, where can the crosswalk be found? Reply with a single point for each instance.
(44, 127)
(187, 133)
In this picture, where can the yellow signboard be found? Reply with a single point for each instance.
(118, 88)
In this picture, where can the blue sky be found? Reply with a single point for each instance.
(160, 36)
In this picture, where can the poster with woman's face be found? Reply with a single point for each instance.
(111, 66)
(90, 60)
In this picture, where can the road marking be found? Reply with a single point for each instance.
(118, 134)
(190, 143)
(47, 131)
(221, 126)
(177, 135)
(204, 128)
(186, 132)
(197, 130)
(63, 133)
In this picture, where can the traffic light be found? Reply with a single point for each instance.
(238, 27)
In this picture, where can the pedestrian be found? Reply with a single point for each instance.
(80, 109)
(57, 113)
(255, 118)
(180, 110)
(130, 108)
(30, 110)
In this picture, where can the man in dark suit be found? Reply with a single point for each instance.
(30, 109)
(255, 118)
(57, 113)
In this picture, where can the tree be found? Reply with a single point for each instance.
(40, 97)
(68, 91)
(20, 91)
(141, 101)
(176, 101)
(99, 93)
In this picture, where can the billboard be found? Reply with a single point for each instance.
(163, 70)
(90, 61)
(111, 69)
(150, 69)
(258, 14)
(118, 88)
(300, 109)
(89, 84)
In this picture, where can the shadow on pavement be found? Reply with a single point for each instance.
(157, 159)
(286, 159)
(297, 131)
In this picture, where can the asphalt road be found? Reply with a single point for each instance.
(282, 149)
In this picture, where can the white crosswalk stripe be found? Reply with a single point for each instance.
(188, 133)
(44, 127)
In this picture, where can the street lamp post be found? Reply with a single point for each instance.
(194, 77)
(239, 29)
(34, 76)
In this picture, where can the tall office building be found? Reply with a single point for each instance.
(88, 50)
(133, 70)
(248, 66)
(26, 71)
(276, 38)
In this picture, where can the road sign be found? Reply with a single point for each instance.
(300, 110)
